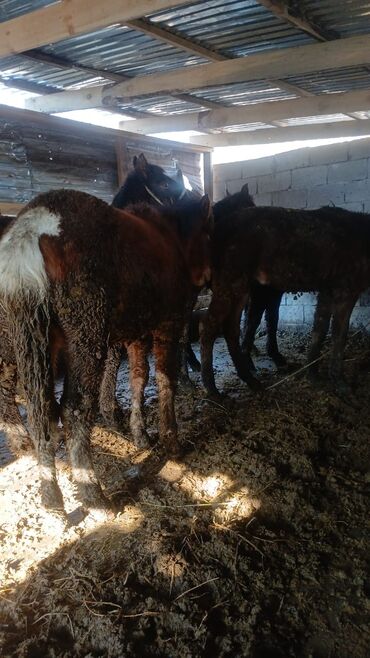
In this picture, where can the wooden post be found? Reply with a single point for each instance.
(123, 164)
(208, 173)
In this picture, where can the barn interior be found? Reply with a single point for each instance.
(255, 541)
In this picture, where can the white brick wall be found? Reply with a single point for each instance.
(338, 174)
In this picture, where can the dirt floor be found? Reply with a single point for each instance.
(255, 543)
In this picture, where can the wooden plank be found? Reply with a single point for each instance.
(123, 164)
(7, 208)
(352, 51)
(86, 130)
(288, 134)
(258, 112)
(69, 18)
(175, 39)
(208, 174)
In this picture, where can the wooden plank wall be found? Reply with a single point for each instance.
(39, 153)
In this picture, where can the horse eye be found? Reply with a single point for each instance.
(165, 186)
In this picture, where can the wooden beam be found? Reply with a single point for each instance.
(281, 9)
(8, 208)
(86, 130)
(69, 18)
(354, 101)
(288, 134)
(168, 36)
(282, 63)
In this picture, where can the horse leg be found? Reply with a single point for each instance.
(186, 353)
(86, 338)
(30, 326)
(165, 341)
(11, 422)
(209, 330)
(109, 408)
(319, 331)
(231, 327)
(139, 374)
(254, 309)
(272, 321)
(342, 310)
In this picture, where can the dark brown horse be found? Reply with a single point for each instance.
(325, 250)
(262, 299)
(73, 267)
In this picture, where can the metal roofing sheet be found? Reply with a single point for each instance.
(13, 8)
(232, 27)
(235, 27)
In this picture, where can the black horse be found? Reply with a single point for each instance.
(263, 298)
(148, 183)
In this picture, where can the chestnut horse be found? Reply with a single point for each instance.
(73, 267)
(145, 183)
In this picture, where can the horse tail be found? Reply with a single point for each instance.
(25, 293)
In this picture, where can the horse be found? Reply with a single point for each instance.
(146, 183)
(262, 299)
(75, 268)
(325, 250)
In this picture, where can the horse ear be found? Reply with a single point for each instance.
(134, 161)
(141, 164)
(179, 177)
(227, 193)
(245, 189)
(205, 207)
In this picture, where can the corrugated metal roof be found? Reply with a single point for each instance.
(231, 27)
(235, 28)
(13, 8)
(346, 18)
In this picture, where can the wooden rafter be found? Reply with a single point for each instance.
(259, 112)
(175, 39)
(295, 17)
(351, 51)
(69, 18)
(287, 134)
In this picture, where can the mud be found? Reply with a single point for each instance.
(255, 543)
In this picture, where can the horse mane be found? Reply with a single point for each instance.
(232, 203)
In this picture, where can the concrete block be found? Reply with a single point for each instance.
(356, 206)
(228, 171)
(357, 191)
(257, 167)
(292, 159)
(290, 199)
(291, 315)
(218, 190)
(263, 199)
(347, 171)
(329, 154)
(308, 313)
(303, 299)
(275, 182)
(326, 195)
(309, 177)
(359, 148)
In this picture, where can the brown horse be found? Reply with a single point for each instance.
(325, 250)
(74, 268)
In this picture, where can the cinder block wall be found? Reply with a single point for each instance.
(306, 178)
